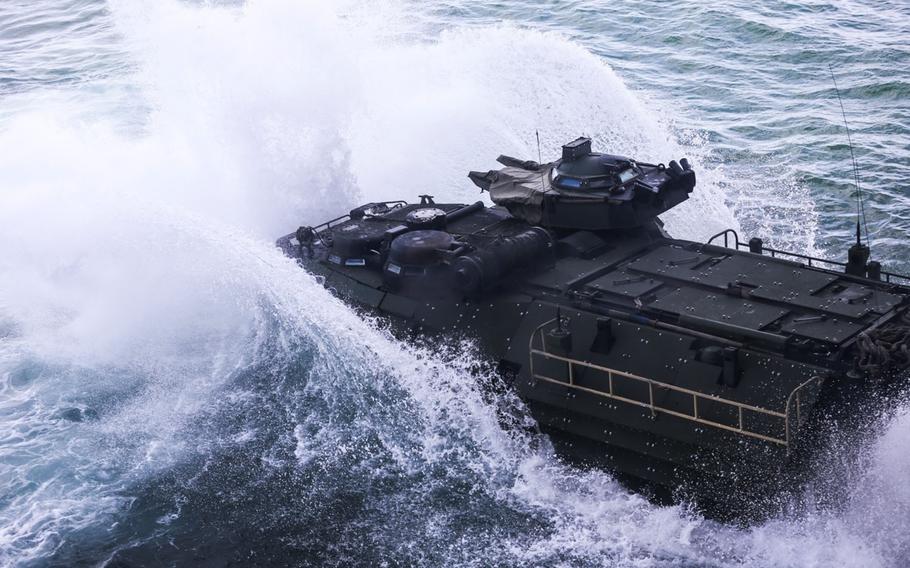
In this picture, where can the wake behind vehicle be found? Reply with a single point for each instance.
(707, 368)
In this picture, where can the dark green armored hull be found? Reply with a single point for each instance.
(688, 365)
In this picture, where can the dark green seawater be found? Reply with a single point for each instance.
(175, 393)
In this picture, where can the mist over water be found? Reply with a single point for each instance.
(174, 391)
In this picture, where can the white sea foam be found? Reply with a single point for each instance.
(138, 276)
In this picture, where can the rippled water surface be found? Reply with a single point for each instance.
(174, 392)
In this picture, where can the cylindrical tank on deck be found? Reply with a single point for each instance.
(487, 265)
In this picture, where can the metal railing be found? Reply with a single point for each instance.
(727, 234)
(794, 398)
(318, 230)
(392, 205)
(741, 409)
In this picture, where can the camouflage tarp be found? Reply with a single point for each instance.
(522, 191)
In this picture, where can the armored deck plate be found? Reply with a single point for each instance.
(824, 328)
(566, 270)
(720, 307)
(486, 221)
(626, 284)
(824, 306)
(778, 280)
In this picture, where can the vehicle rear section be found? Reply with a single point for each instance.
(703, 369)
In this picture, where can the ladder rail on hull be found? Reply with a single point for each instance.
(791, 416)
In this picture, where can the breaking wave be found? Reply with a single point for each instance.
(173, 387)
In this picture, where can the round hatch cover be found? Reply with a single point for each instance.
(420, 247)
(426, 218)
(355, 239)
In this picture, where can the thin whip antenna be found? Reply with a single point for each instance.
(543, 186)
(860, 205)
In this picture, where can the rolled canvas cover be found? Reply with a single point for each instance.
(522, 191)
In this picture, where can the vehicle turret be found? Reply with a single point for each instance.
(587, 190)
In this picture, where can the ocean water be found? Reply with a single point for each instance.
(173, 392)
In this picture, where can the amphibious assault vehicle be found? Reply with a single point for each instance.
(710, 367)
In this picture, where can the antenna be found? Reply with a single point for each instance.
(543, 185)
(860, 205)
